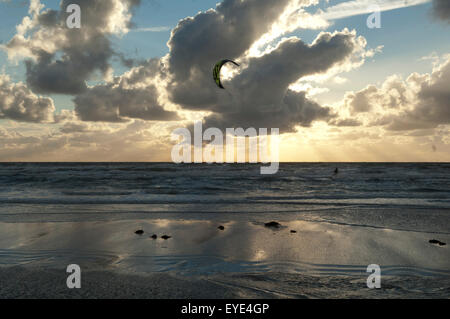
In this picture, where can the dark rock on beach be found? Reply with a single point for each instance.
(165, 237)
(221, 228)
(272, 225)
(153, 237)
(293, 231)
(139, 232)
(436, 242)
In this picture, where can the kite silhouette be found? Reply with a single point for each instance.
(216, 71)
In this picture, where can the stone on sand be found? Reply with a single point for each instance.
(437, 242)
(272, 225)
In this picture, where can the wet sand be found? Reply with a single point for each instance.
(43, 283)
(245, 260)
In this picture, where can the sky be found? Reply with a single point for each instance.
(117, 87)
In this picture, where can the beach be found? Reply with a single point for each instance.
(245, 260)
(219, 243)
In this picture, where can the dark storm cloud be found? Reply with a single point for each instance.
(116, 104)
(295, 109)
(441, 9)
(260, 95)
(128, 96)
(198, 43)
(64, 59)
(195, 45)
(68, 75)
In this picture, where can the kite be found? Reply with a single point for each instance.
(216, 71)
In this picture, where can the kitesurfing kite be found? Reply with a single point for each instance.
(216, 71)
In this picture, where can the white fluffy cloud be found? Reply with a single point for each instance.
(18, 103)
(422, 101)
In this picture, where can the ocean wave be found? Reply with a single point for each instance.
(96, 193)
(295, 183)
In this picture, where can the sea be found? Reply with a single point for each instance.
(409, 196)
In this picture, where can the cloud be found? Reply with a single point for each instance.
(360, 101)
(357, 7)
(197, 43)
(132, 95)
(82, 141)
(348, 122)
(433, 106)
(260, 96)
(391, 95)
(271, 88)
(183, 78)
(113, 103)
(420, 102)
(195, 46)
(61, 60)
(441, 9)
(72, 127)
(18, 103)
